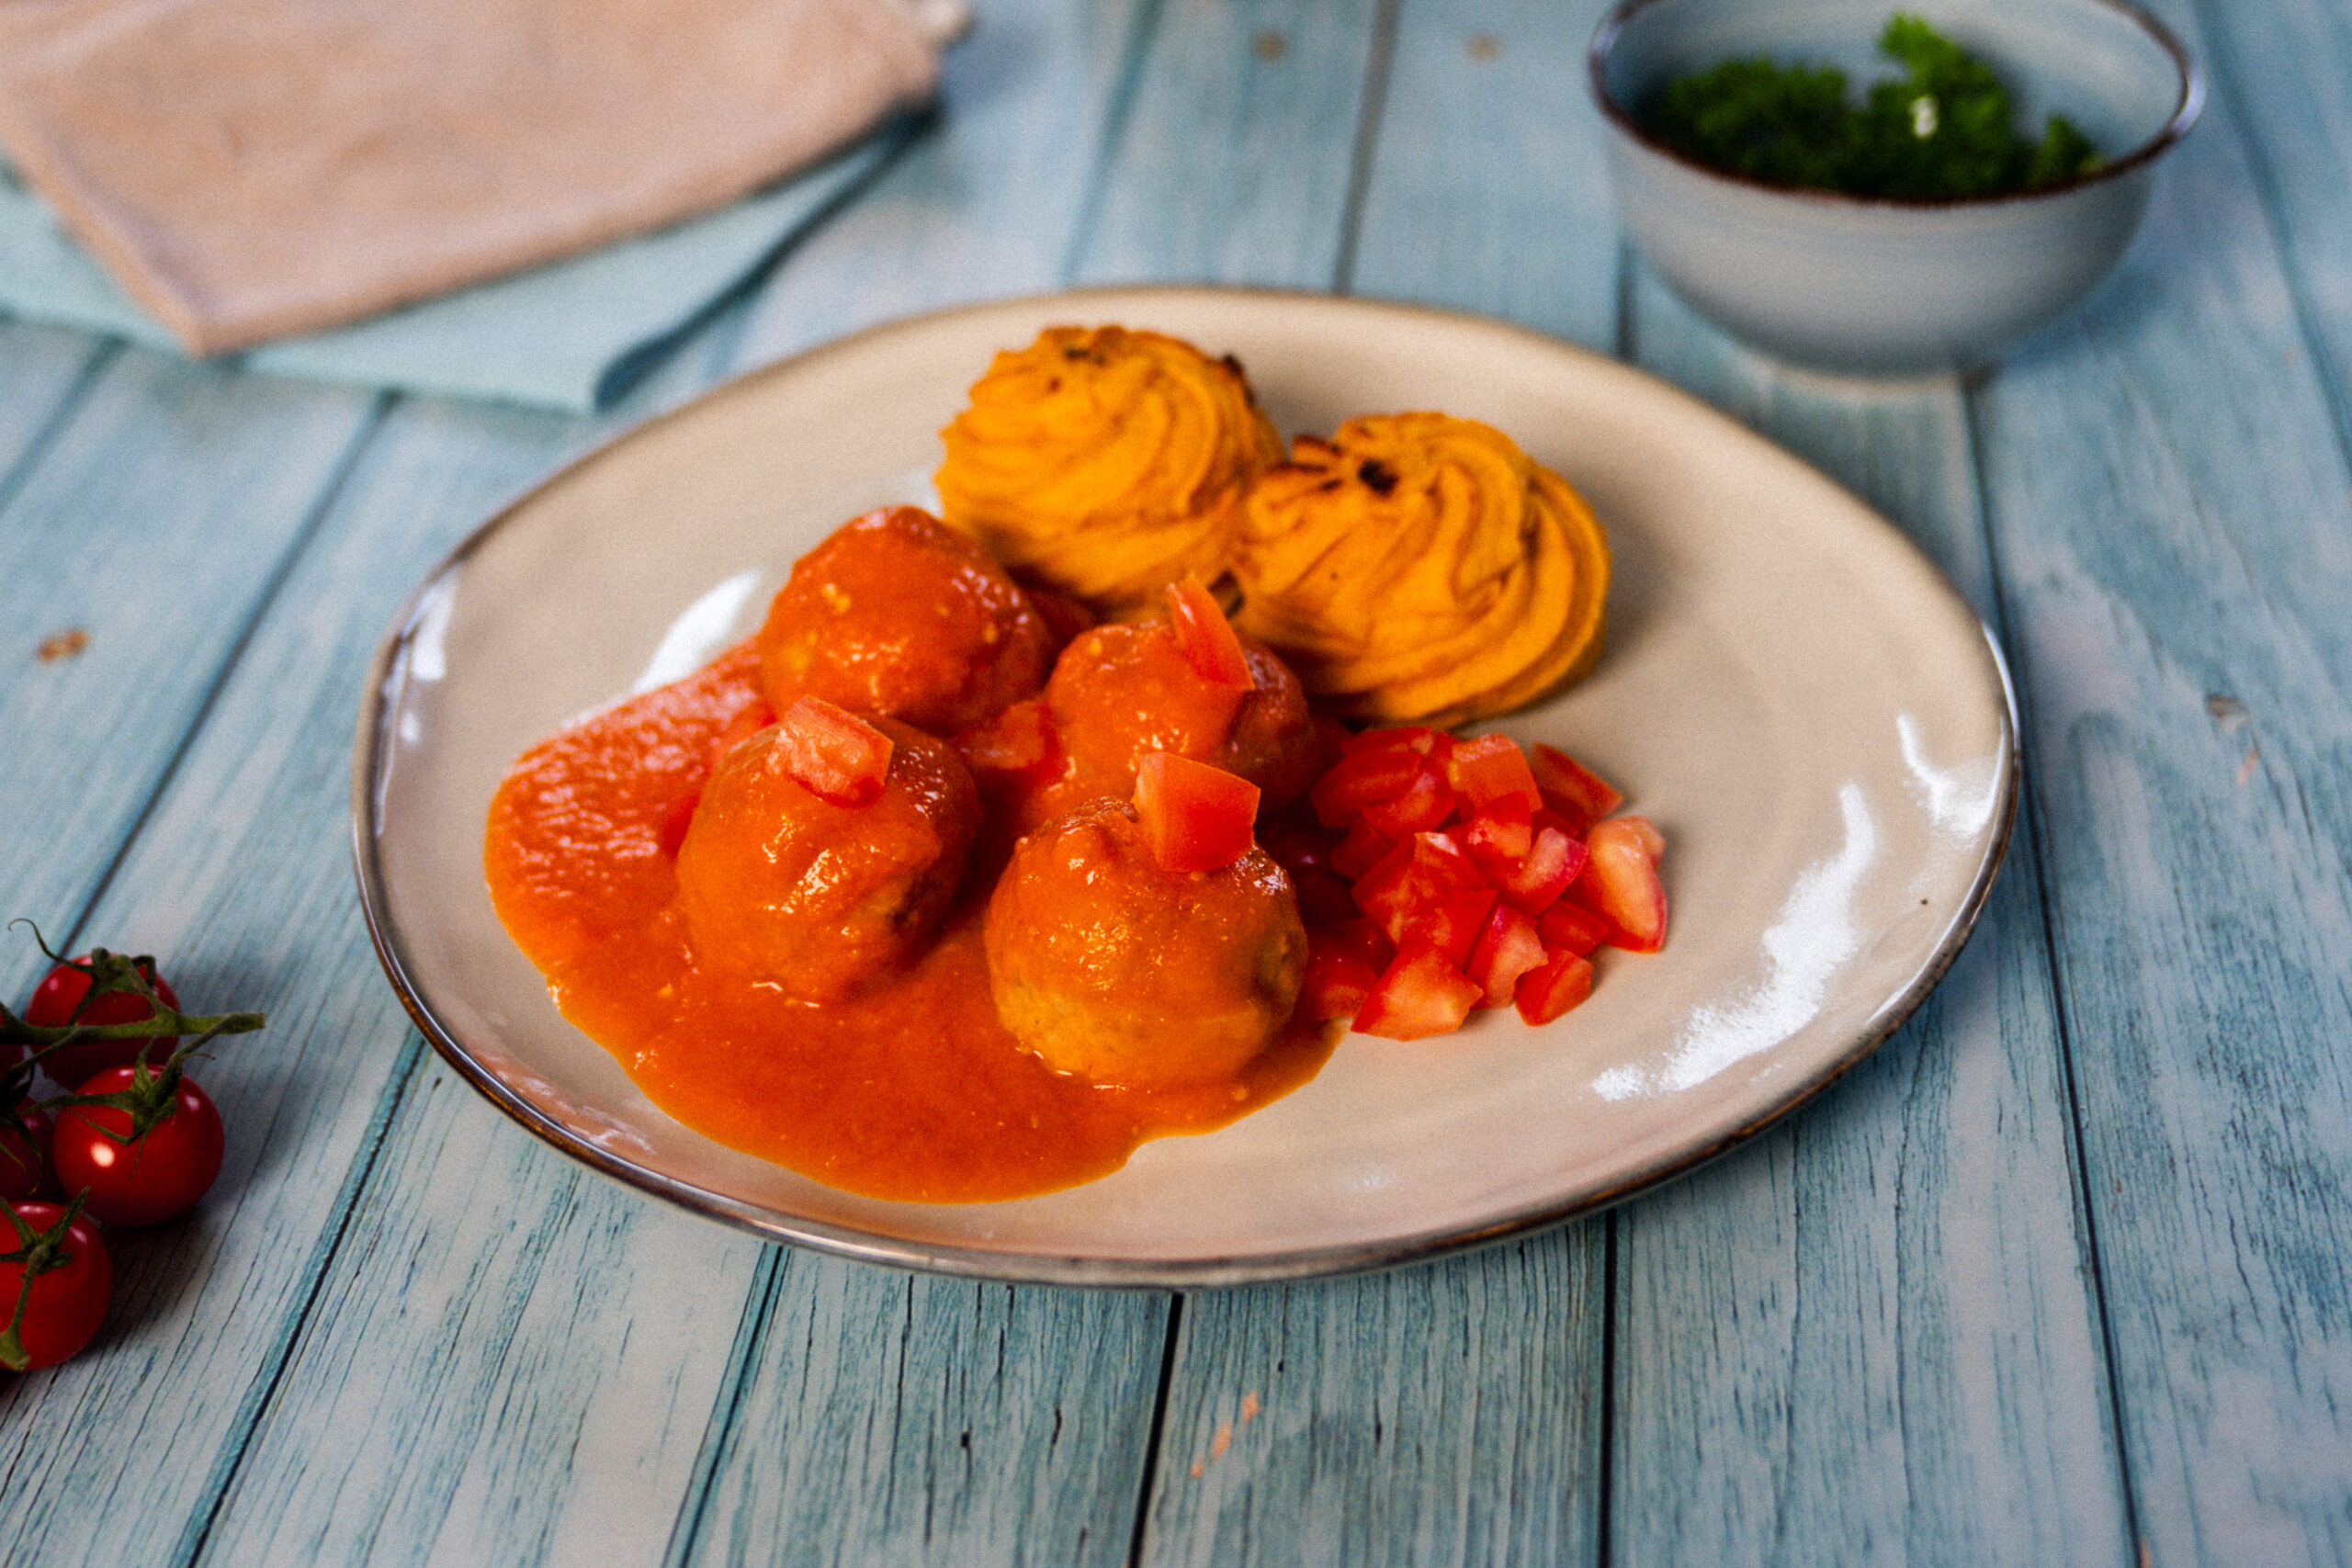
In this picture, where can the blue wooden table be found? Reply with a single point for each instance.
(2059, 1276)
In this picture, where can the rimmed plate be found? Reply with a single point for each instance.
(1815, 719)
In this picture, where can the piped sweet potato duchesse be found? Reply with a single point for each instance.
(1106, 463)
(1420, 566)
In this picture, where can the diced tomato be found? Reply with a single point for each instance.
(1535, 881)
(1419, 739)
(1504, 829)
(1420, 994)
(1450, 925)
(1508, 948)
(1620, 881)
(1019, 743)
(676, 817)
(1492, 769)
(1195, 817)
(1570, 789)
(1571, 928)
(1424, 872)
(1206, 638)
(1364, 848)
(1561, 984)
(1343, 963)
(1363, 779)
(834, 754)
(754, 717)
(1424, 804)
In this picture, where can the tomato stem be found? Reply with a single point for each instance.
(39, 1252)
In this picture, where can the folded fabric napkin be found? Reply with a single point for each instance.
(251, 169)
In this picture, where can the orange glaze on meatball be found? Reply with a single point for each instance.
(816, 899)
(1110, 967)
(1121, 692)
(897, 615)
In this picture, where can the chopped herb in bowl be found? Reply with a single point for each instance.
(1943, 128)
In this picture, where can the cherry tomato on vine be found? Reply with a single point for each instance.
(141, 1180)
(73, 1280)
(24, 1154)
(62, 991)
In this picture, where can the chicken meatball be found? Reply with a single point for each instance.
(816, 899)
(1110, 967)
(1121, 692)
(897, 615)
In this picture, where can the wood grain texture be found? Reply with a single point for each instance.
(2172, 512)
(47, 370)
(1236, 162)
(153, 521)
(239, 877)
(1486, 190)
(1873, 1336)
(1446, 1414)
(895, 1418)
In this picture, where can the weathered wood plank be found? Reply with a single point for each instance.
(1235, 162)
(2172, 512)
(2282, 68)
(153, 521)
(1872, 1335)
(514, 1330)
(240, 879)
(43, 372)
(894, 1418)
(1446, 1414)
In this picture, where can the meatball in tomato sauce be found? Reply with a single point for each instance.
(1108, 966)
(1123, 691)
(897, 615)
(794, 877)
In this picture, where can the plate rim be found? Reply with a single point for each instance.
(1206, 1270)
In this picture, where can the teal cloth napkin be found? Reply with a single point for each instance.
(574, 335)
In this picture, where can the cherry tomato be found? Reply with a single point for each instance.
(150, 1179)
(24, 1156)
(67, 1302)
(53, 1007)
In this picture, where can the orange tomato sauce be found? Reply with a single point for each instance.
(913, 1091)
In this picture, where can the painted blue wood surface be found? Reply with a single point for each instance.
(2063, 1267)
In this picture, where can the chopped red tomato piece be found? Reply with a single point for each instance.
(676, 817)
(1206, 638)
(1017, 743)
(1424, 803)
(1536, 880)
(1508, 948)
(749, 720)
(1492, 769)
(1621, 882)
(1417, 739)
(1343, 963)
(834, 755)
(1420, 994)
(1364, 848)
(1572, 790)
(1361, 779)
(1572, 928)
(1561, 984)
(1451, 925)
(1426, 870)
(1195, 817)
(1504, 829)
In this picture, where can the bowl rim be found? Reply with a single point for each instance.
(2187, 106)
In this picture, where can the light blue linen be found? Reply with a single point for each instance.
(575, 334)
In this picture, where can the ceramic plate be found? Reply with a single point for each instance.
(1819, 722)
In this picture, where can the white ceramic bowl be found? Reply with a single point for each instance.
(1880, 287)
